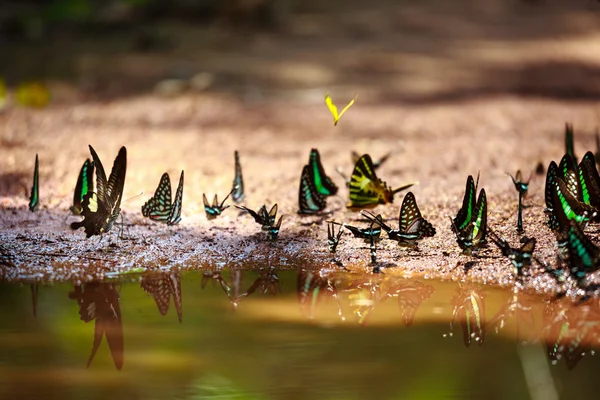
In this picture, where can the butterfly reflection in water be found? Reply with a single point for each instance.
(162, 287)
(99, 302)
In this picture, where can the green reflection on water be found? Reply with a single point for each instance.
(269, 334)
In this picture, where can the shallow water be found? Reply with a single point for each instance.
(290, 335)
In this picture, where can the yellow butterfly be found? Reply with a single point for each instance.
(333, 109)
(32, 94)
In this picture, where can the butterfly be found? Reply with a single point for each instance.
(470, 223)
(520, 257)
(333, 109)
(366, 189)
(85, 184)
(520, 186)
(469, 306)
(566, 207)
(322, 182)
(411, 224)
(569, 172)
(551, 180)
(584, 256)
(159, 208)
(569, 148)
(363, 233)
(161, 287)
(590, 180)
(266, 283)
(411, 294)
(333, 239)
(266, 219)
(102, 208)
(238, 181)
(310, 201)
(34, 197)
(214, 210)
(376, 164)
(100, 302)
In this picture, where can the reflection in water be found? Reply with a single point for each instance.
(469, 307)
(34, 298)
(520, 308)
(570, 332)
(312, 288)
(100, 301)
(162, 287)
(266, 283)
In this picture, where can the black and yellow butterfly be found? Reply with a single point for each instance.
(470, 223)
(366, 189)
(519, 257)
(99, 301)
(310, 201)
(161, 287)
(411, 224)
(215, 209)
(322, 182)
(34, 197)
(102, 208)
(238, 181)
(85, 184)
(333, 239)
(159, 208)
(376, 164)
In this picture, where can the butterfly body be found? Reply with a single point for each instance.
(85, 184)
(238, 181)
(215, 209)
(34, 197)
(102, 208)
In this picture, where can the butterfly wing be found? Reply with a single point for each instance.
(175, 214)
(589, 180)
(116, 181)
(257, 216)
(101, 182)
(332, 109)
(322, 182)
(238, 181)
(34, 197)
(569, 172)
(365, 187)
(549, 194)
(572, 208)
(309, 199)
(480, 221)
(347, 107)
(465, 215)
(158, 207)
(85, 184)
(569, 148)
(158, 288)
(584, 256)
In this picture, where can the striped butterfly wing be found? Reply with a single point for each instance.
(116, 181)
(322, 182)
(572, 208)
(569, 173)
(480, 220)
(238, 181)
(584, 256)
(411, 220)
(549, 194)
(160, 288)
(465, 215)
(310, 200)
(101, 181)
(590, 180)
(175, 214)
(410, 297)
(34, 197)
(158, 208)
(366, 189)
(85, 184)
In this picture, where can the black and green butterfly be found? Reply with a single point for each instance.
(590, 180)
(584, 256)
(333, 239)
(85, 184)
(161, 287)
(569, 147)
(376, 164)
(519, 257)
(310, 201)
(215, 209)
(469, 306)
(470, 223)
(566, 207)
(411, 224)
(102, 208)
(364, 233)
(266, 219)
(366, 189)
(34, 197)
(569, 172)
(159, 208)
(322, 182)
(238, 181)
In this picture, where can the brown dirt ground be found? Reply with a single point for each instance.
(448, 93)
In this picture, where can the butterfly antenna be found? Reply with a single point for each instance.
(401, 188)
(137, 195)
(226, 197)
(477, 183)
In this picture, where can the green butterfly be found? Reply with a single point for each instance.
(366, 189)
(322, 182)
(34, 197)
(411, 224)
(566, 207)
(590, 180)
(159, 208)
(85, 184)
(470, 223)
(102, 208)
(310, 201)
(215, 209)
(584, 256)
(238, 181)
(520, 257)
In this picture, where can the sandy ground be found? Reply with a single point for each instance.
(489, 102)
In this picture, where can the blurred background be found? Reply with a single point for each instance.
(400, 50)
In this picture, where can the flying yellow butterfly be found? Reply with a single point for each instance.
(333, 109)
